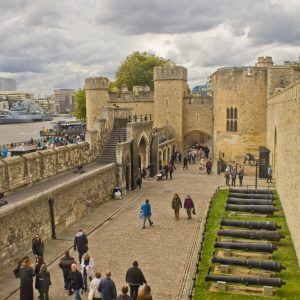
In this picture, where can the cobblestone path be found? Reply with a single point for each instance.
(162, 250)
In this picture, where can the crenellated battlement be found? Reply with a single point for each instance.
(170, 73)
(264, 61)
(96, 83)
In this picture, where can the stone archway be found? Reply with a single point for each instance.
(143, 152)
(193, 137)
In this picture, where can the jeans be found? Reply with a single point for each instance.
(77, 295)
(66, 274)
(189, 213)
(149, 220)
(134, 290)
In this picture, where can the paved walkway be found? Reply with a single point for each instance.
(117, 239)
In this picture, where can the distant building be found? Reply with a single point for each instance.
(11, 97)
(203, 89)
(48, 104)
(64, 98)
(7, 84)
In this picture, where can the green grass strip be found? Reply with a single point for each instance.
(285, 255)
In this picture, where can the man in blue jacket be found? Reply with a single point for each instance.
(108, 288)
(146, 212)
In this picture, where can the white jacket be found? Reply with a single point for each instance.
(89, 267)
(94, 287)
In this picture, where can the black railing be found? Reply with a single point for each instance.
(139, 118)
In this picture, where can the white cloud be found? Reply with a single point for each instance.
(49, 44)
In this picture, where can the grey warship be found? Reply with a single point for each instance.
(24, 112)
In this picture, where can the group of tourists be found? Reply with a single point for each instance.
(78, 278)
(231, 172)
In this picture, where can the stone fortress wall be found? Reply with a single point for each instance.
(283, 139)
(72, 200)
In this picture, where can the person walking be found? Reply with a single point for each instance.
(87, 265)
(189, 205)
(171, 171)
(145, 293)
(146, 212)
(135, 278)
(185, 163)
(139, 181)
(37, 246)
(65, 264)
(176, 205)
(269, 174)
(227, 175)
(80, 243)
(108, 288)
(241, 176)
(94, 294)
(124, 295)
(166, 170)
(43, 283)
(26, 274)
(75, 281)
(233, 176)
(208, 166)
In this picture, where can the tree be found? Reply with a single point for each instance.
(80, 105)
(137, 69)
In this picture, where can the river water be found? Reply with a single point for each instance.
(14, 133)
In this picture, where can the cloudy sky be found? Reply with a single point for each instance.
(57, 44)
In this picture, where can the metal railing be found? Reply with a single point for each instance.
(139, 118)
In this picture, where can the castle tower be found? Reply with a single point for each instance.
(264, 62)
(96, 89)
(170, 87)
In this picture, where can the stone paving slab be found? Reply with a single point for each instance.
(162, 250)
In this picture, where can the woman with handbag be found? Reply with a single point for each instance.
(189, 206)
(87, 265)
(94, 294)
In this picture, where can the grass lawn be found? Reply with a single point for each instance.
(285, 255)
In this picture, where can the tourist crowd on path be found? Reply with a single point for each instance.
(231, 172)
(75, 279)
(43, 143)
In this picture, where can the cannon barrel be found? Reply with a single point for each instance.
(250, 224)
(252, 196)
(243, 201)
(258, 264)
(257, 247)
(263, 281)
(251, 191)
(260, 209)
(252, 234)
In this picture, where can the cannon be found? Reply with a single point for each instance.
(251, 224)
(252, 196)
(252, 234)
(258, 209)
(242, 201)
(256, 247)
(251, 191)
(263, 281)
(258, 264)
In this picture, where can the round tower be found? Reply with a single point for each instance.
(264, 61)
(96, 89)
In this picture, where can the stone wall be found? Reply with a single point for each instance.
(20, 222)
(246, 90)
(283, 139)
(19, 171)
(197, 119)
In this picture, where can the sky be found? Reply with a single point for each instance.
(58, 43)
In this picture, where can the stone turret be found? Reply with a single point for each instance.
(96, 89)
(264, 61)
(170, 88)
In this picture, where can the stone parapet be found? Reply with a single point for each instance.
(15, 169)
(32, 166)
(170, 73)
(3, 181)
(74, 155)
(96, 83)
(62, 158)
(48, 163)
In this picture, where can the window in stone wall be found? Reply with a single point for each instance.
(231, 116)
